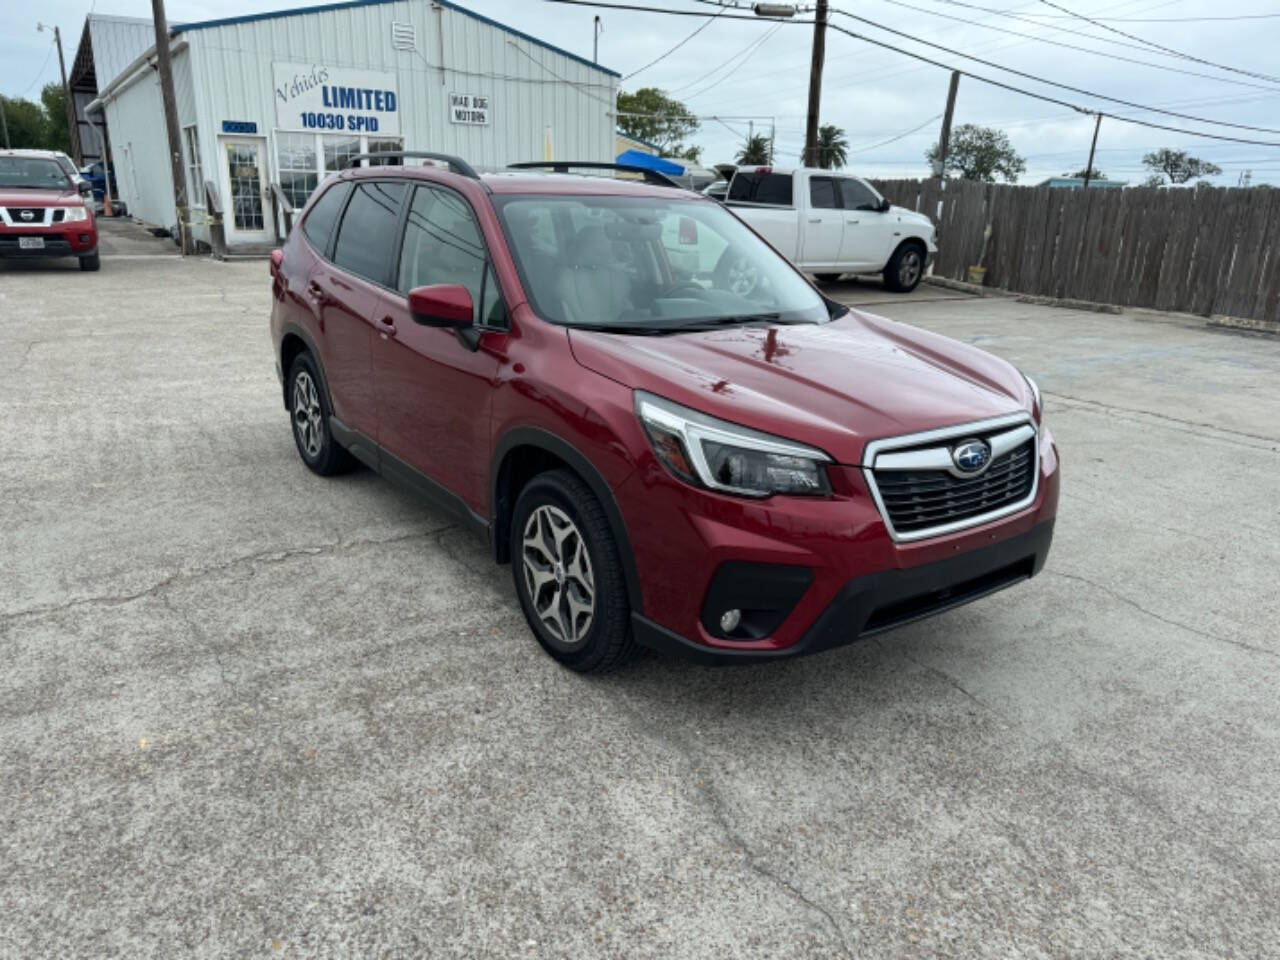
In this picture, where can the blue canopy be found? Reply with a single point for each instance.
(648, 161)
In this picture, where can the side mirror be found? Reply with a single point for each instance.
(86, 188)
(442, 305)
(884, 205)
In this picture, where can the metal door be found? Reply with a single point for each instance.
(244, 181)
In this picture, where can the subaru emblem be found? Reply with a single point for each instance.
(27, 215)
(971, 456)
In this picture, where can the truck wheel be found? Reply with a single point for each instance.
(905, 268)
(568, 576)
(827, 277)
(309, 409)
(91, 262)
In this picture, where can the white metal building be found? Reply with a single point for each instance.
(107, 46)
(286, 97)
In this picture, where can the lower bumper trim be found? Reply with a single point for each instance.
(881, 601)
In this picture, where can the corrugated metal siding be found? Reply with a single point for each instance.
(530, 87)
(117, 42)
(140, 152)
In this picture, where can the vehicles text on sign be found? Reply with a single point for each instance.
(313, 96)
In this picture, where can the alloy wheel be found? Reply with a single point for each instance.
(557, 573)
(307, 418)
(909, 268)
(743, 276)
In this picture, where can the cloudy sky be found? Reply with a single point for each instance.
(747, 73)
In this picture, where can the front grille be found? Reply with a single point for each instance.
(916, 500)
(16, 215)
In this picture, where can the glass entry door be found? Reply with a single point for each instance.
(244, 176)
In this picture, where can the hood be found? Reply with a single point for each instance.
(11, 197)
(834, 386)
(902, 213)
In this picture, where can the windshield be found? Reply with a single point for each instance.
(649, 264)
(38, 173)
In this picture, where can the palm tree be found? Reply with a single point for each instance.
(756, 149)
(833, 147)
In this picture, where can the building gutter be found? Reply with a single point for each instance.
(131, 75)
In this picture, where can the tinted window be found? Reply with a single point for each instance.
(858, 196)
(367, 234)
(822, 194)
(441, 244)
(756, 186)
(320, 221)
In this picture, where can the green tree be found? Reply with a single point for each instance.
(650, 114)
(54, 100)
(980, 153)
(833, 147)
(755, 150)
(1092, 172)
(27, 123)
(1177, 166)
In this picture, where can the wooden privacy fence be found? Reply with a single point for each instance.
(1207, 251)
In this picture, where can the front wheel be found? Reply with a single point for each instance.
(90, 263)
(564, 560)
(905, 268)
(827, 277)
(309, 410)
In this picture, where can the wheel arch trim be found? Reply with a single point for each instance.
(501, 504)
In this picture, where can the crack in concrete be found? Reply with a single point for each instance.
(1224, 434)
(261, 557)
(1163, 619)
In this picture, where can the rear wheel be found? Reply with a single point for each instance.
(309, 411)
(905, 268)
(90, 263)
(568, 575)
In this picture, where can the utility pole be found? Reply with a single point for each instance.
(1088, 170)
(73, 130)
(595, 39)
(815, 83)
(944, 141)
(4, 123)
(165, 67)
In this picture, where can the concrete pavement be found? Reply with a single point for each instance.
(245, 711)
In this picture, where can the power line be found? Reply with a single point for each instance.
(1242, 16)
(1156, 46)
(711, 18)
(885, 143)
(1073, 46)
(944, 66)
(741, 63)
(39, 73)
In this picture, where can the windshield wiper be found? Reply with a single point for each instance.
(631, 329)
(713, 323)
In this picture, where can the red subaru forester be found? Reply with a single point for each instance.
(672, 436)
(42, 213)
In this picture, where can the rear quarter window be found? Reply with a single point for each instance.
(756, 186)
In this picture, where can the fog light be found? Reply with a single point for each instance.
(84, 238)
(730, 619)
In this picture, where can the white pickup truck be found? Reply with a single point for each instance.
(829, 223)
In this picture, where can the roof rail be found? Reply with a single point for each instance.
(564, 166)
(456, 164)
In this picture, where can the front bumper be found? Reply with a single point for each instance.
(76, 240)
(840, 575)
(880, 601)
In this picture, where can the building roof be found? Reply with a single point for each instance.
(346, 4)
(107, 46)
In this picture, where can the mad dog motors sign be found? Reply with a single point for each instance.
(312, 96)
(469, 108)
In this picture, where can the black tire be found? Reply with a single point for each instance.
(90, 263)
(605, 641)
(905, 268)
(827, 277)
(311, 434)
(736, 272)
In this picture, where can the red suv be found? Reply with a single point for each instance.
(571, 366)
(42, 213)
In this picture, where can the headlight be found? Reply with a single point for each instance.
(75, 214)
(723, 456)
(1035, 392)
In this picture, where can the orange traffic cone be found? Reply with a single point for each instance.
(106, 204)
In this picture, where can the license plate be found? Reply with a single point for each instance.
(31, 243)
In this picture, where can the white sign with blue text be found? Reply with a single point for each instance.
(315, 96)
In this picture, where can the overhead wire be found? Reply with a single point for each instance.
(968, 73)
(1156, 46)
(711, 18)
(740, 64)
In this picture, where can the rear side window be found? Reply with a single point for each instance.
(757, 186)
(319, 223)
(858, 196)
(822, 194)
(367, 235)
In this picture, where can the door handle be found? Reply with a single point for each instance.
(815, 219)
(317, 291)
(388, 326)
(853, 221)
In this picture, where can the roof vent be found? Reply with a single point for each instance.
(404, 36)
